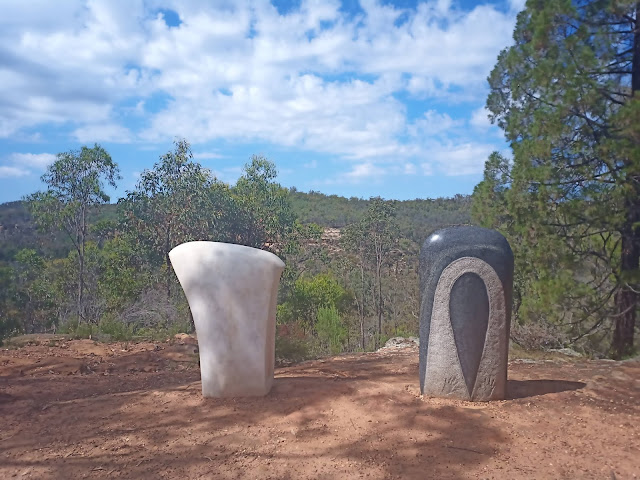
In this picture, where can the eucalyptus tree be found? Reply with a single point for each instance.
(262, 213)
(381, 230)
(372, 241)
(75, 184)
(353, 242)
(174, 202)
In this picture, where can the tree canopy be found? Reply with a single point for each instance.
(565, 95)
(75, 183)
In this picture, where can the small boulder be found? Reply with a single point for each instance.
(566, 351)
(401, 342)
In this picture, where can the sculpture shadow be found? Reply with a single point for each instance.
(5, 398)
(533, 388)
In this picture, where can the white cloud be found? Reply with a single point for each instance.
(67, 64)
(409, 169)
(364, 171)
(10, 172)
(356, 119)
(34, 160)
(23, 164)
(369, 171)
(434, 124)
(207, 155)
(316, 79)
(108, 132)
(427, 169)
(480, 119)
(458, 159)
(517, 5)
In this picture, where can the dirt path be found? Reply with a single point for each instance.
(86, 410)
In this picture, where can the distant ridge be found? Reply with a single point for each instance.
(416, 219)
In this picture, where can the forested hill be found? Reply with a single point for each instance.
(18, 231)
(416, 219)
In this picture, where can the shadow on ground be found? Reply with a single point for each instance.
(335, 419)
(534, 388)
(346, 417)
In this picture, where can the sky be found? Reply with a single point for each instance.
(357, 98)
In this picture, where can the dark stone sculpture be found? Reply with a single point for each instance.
(466, 283)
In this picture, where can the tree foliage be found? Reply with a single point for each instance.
(335, 295)
(330, 328)
(9, 318)
(75, 183)
(565, 96)
(308, 295)
(263, 217)
(371, 242)
(167, 206)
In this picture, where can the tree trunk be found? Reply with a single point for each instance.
(379, 275)
(362, 308)
(168, 263)
(80, 286)
(81, 250)
(627, 298)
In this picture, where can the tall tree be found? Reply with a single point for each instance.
(372, 241)
(566, 95)
(263, 217)
(28, 269)
(380, 227)
(76, 182)
(353, 241)
(172, 203)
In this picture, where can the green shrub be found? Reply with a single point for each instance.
(8, 328)
(292, 350)
(158, 334)
(330, 329)
(115, 329)
(75, 330)
(67, 327)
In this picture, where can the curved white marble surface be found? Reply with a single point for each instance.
(232, 292)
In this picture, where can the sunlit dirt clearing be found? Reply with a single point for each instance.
(81, 409)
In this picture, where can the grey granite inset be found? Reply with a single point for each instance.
(469, 312)
(466, 282)
(232, 292)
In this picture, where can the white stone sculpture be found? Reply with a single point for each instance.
(232, 291)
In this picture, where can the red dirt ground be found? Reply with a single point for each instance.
(79, 409)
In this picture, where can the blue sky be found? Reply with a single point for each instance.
(354, 97)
